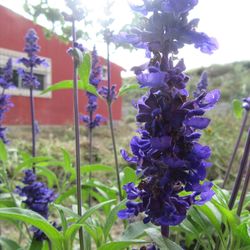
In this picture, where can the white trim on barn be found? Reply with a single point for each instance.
(5, 54)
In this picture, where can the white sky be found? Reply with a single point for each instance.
(226, 20)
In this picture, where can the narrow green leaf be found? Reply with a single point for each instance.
(50, 175)
(84, 68)
(70, 232)
(135, 230)
(127, 88)
(119, 245)
(112, 217)
(3, 152)
(237, 108)
(129, 175)
(87, 87)
(163, 244)
(29, 163)
(95, 168)
(67, 160)
(65, 195)
(66, 84)
(34, 219)
(92, 210)
(7, 244)
(36, 244)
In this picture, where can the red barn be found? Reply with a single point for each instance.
(54, 108)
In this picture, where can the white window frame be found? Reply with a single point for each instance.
(5, 54)
(104, 69)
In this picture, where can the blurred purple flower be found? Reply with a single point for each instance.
(95, 78)
(5, 103)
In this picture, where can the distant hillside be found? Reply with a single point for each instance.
(232, 79)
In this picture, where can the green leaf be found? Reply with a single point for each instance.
(70, 232)
(7, 244)
(65, 195)
(112, 217)
(237, 108)
(29, 162)
(36, 244)
(95, 168)
(135, 230)
(84, 68)
(128, 88)
(87, 87)
(3, 152)
(67, 161)
(163, 243)
(129, 175)
(50, 175)
(35, 219)
(119, 245)
(66, 84)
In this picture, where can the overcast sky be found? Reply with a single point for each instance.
(226, 20)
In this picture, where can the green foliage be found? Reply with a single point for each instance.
(83, 82)
(237, 108)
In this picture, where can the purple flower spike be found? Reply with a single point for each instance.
(5, 103)
(95, 78)
(38, 196)
(168, 157)
(32, 61)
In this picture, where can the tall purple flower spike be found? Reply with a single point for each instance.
(170, 162)
(5, 103)
(32, 61)
(94, 79)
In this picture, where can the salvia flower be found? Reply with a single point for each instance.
(202, 85)
(32, 61)
(170, 162)
(109, 95)
(5, 103)
(38, 195)
(95, 78)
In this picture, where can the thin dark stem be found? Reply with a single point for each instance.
(243, 164)
(90, 150)
(77, 142)
(244, 191)
(235, 148)
(115, 152)
(32, 112)
(109, 102)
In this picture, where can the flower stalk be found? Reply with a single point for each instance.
(109, 104)
(238, 180)
(244, 121)
(77, 138)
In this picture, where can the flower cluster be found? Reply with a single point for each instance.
(31, 48)
(109, 95)
(171, 164)
(5, 104)
(38, 196)
(94, 79)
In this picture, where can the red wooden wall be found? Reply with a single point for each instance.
(57, 110)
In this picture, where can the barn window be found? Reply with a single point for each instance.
(42, 73)
(104, 73)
